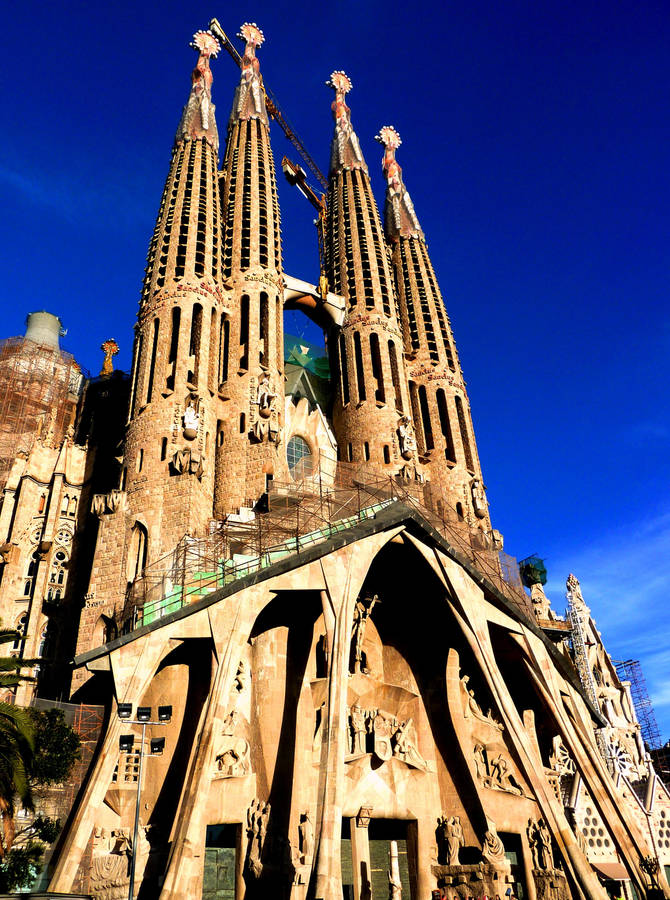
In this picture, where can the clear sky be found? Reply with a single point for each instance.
(535, 141)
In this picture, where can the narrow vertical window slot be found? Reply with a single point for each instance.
(244, 332)
(358, 361)
(152, 361)
(425, 419)
(395, 377)
(465, 437)
(377, 371)
(194, 344)
(344, 369)
(264, 354)
(445, 425)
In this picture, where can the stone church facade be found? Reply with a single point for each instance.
(363, 698)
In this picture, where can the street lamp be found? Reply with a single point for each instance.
(127, 745)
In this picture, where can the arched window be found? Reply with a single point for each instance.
(72, 507)
(42, 503)
(21, 626)
(44, 642)
(137, 554)
(300, 458)
(65, 502)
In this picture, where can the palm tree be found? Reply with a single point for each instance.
(16, 743)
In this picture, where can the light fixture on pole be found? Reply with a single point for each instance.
(127, 745)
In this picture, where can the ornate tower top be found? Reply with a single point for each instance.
(249, 102)
(198, 119)
(345, 151)
(400, 218)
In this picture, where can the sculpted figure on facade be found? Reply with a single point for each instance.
(110, 348)
(345, 150)
(471, 707)
(539, 840)
(500, 776)
(258, 815)
(405, 745)
(109, 864)
(450, 839)
(358, 720)
(306, 832)
(191, 421)
(233, 757)
(249, 99)
(478, 498)
(242, 678)
(493, 850)
(406, 438)
(481, 762)
(265, 396)
(362, 612)
(383, 729)
(395, 885)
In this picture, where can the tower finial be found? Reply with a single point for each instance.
(400, 218)
(345, 151)
(249, 100)
(198, 119)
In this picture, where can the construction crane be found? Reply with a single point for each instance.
(272, 107)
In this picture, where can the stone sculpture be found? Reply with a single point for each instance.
(406, 438)
(359, 726)
(478, 498)
(395, 885)
(258, 815)
(493, 850)
(191, 422)
(306, 832)
(265, 396)
(539, 840)
(405, 745)
(242, 678)
(450, 839)
(471, 707)
(362, 612)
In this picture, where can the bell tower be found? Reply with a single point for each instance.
(167, 477)
(371, 414)
(249, 430)
(439, 402)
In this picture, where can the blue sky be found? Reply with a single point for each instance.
(535, 143)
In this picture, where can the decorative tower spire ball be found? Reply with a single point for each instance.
(206, 44)
(345, 152)
(250, 97)
(251, 34)
(389, 137)
(340, 82)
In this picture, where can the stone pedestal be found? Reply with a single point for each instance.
(550, 884)
(473, 880)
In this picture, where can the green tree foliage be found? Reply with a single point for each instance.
(21, 866)
(57, 747)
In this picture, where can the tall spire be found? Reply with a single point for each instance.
(345, 151)
(249, 450)
(439, 402)
(371, 409)
(249, 102)
(198, 120)
(399, 216)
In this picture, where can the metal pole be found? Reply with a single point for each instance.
(131, 885)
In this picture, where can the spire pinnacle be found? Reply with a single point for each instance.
(345, 151)
(249, 102)
(198, 119)
(400, 218)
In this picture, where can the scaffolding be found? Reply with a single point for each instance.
(631, 671)
(295, 517)
(39, 391)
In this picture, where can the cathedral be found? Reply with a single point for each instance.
(275, 570)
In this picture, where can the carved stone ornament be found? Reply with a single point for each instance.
(265, 396)
(406, 438)
(110, 864)
(306, 835)
(450, 839)
(362, 612)
(191, 421)
(242, 678)
(186, 461)
(560, 760)
(258, 816)
(478, 498)
(472, 709)
(249, 100)
(493, 770)
(400, 217)
(110, 503)
(345, 151)
(493, 850)
(379, 732)
(539, 841)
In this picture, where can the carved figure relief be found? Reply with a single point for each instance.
(450, 839)
(494, 772)
(258, 815)
(539, 841)
(109, 864)
(362, 612)
(306, 833)
(472, 709)
(191, 421)
(380, 732)
(233, 759)
(493, 850)
(242, 678)
(265, 396)
(395, 885)
(478, 498)
(406, 438)
(560, 760)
